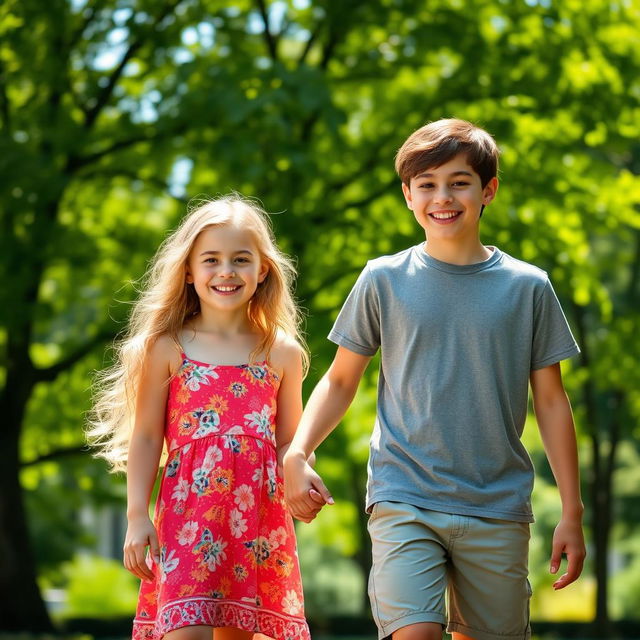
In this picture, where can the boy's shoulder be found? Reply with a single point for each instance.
(392, 261)
(525, 270)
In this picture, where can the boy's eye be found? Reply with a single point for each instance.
(426, 185)
(460, 183)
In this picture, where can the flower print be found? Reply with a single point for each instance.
(291, 604)
(260, 549)
(240, 572)
(172, 466)
(187, 423)
(181, 490)
(208, 423)
(272, 591)
(212, 551)
(218, 404)
(216, 514)
(244, 497)
(183, 395)
(278, 537)
(256, 374)
(222, 480)
(194, 375)
(261, 420)
(167, 562)
(271, 478)
(282, 563)
(185, 591)
(231, 442)
(200, 481)
(237, 523)
(202, 474)
(238, 389)
(187, 533)
(199, 574)
(212, 457)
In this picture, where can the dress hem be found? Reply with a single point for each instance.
(217, 613)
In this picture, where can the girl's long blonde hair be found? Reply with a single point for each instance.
(167, 301)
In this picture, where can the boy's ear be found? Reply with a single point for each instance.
(489, 192)
(406, 191)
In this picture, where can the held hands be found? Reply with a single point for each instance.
(304, 491)
(140, 534)
(568, 540)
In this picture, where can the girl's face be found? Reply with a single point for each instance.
(225, 267)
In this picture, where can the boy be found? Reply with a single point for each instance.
(463, 329)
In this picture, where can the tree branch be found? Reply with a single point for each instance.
(62, 452)
(4, 99)
(309, 44)
(104, 96)
(270, 39)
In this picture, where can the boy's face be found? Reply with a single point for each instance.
(447, 200)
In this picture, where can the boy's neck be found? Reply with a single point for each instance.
(455, 253)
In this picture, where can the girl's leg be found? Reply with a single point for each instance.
(231, 633)
(198, 632)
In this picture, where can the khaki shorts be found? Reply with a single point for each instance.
(480, 563)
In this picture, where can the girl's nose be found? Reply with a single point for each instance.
(227, 271)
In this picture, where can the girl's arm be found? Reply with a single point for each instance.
(287, 358)
(555, 422)
(145, 449)
(328, 403)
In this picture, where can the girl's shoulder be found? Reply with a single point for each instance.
(286, 353)
(165, 351)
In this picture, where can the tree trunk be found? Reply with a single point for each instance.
(21, 605)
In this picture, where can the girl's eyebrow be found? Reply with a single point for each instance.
(451, 175)
(211, 252)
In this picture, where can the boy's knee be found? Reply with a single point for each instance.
(419, 631)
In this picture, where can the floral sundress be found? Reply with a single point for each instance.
(228, 553)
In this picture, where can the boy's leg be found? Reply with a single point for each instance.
(408, 577)
(488, 588)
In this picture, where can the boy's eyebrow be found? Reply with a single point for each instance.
(426, 174)
(211, 252)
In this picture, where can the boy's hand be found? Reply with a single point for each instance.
(304, 491)
(568, 539)
(140, 534)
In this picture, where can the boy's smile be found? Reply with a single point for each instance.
(447, 201)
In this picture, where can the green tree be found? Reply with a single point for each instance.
(112, 111)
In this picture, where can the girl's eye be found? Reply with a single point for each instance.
(211, 260)
(242, 260)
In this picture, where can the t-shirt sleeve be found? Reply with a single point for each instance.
(357, 326)
(552, 338)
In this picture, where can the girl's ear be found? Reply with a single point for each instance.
(264, 272)
(188, 276)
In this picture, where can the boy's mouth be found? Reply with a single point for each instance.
(445, 216)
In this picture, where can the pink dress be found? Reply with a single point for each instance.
(228, 553)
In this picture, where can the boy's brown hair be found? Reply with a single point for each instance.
(438, 142)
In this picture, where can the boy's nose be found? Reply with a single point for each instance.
(443, 195)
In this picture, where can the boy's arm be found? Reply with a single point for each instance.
(553, 414)
(326, 406)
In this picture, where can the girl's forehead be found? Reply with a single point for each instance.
(226, 237)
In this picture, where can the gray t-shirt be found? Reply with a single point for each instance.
(458, 344)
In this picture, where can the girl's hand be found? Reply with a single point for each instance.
(141, 534)
(305, 493)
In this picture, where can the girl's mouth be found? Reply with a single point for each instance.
(226, 289)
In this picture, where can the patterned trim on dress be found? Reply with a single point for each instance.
(216, 613)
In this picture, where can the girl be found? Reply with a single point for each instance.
(212, 364)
